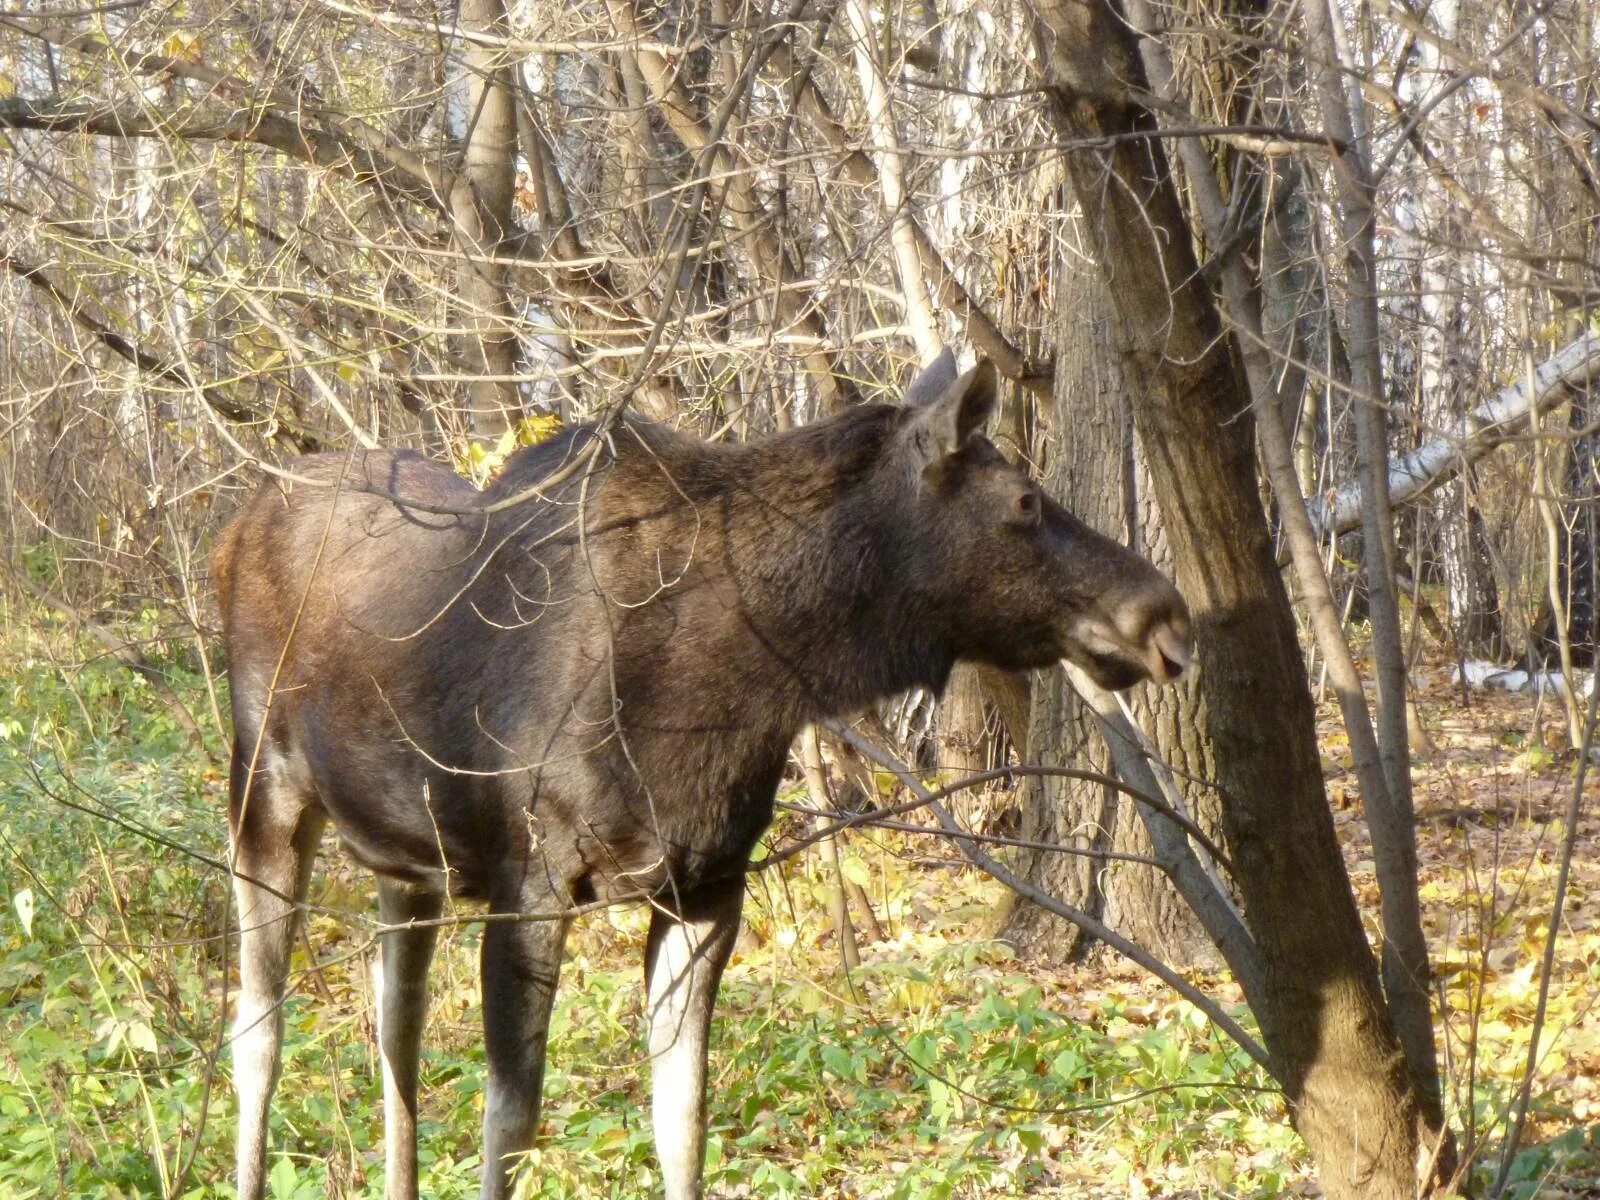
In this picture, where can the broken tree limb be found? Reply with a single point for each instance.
(1504, 416)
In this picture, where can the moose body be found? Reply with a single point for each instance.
(591, 697)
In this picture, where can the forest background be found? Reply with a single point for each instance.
(1297, 298)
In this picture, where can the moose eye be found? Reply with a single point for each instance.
(1025, 508)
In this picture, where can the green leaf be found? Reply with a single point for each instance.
(839, 1062)
(922, 1051)
(855, 871)
(1069, 1064)
(283, 1178)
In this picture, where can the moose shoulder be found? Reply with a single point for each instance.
(591, 696)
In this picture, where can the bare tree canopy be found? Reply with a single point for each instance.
(1298, 301)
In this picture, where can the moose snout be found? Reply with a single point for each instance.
(1154, 624)
(1137, 634)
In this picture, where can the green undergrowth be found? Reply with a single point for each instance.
(940, 1067)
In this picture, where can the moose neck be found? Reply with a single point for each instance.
(799, 534)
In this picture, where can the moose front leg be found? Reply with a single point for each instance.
(402, 978)
(521, 962)
(684, 959)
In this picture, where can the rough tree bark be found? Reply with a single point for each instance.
(1321, 1006)
(1092, 470)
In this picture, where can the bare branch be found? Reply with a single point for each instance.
(270, 424)
(203, 123)
(1131, 951)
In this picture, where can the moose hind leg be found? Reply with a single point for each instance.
(402, 979)
(275, 835)
(684, 959)
(521, 963)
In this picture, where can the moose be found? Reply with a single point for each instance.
(590, 697)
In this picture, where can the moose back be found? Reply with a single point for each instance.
(591, 696)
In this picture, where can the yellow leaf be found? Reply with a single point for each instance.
(178, 46)
(505, 444)
(540, 427)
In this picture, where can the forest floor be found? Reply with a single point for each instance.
(1492, 790)
(940, 1067)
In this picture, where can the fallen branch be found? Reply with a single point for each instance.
(1416, 474)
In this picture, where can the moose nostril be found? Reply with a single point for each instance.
(1170, 641)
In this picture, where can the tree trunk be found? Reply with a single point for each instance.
(1446, 278)
(1320, 1007)
(1091, 469)
(1391, 820)
(1577, 561)
(964, 741)
(480, 210)
(1291, 305)
(1472, 600)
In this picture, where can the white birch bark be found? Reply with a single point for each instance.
(1497, 420)
(920, 320)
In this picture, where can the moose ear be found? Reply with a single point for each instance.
(931, 381)
(937, 424)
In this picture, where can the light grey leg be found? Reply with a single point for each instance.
(683, 965)
(521, 962)
(273, 854)
(402, 979)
